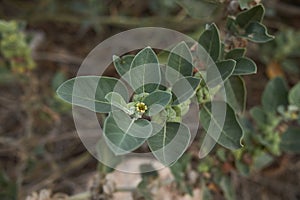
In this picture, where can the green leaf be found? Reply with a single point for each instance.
(148, 171)
(157, 101)
(148, 174)
(57, 80)
(182, 109)
(255, 14)
(198, 9)
(157, 126)
(227, 187)
(184, 89)
(179, 167)
(145, 74)
(244, 66)
(294, 95)
(124, 134)
(140, 128)
(290, 140)
(178, 170)
(163, 83)
(275, 95)
(236, 93)
(259, 115)
(244, 4)
(235, 53)
(9, 188)
(210, 41)
(90, 92)
(144, 191)
(257, 32)
(222, 51)
(242, 168)
(289, 65)
(106, 156)
(262, 160)
(117, 101)
(169, 144)
(179, 63)
(230, 133)
(123, 64)
(206, 192)
(231, 26)
(225, 69)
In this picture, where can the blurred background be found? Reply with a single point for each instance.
(42, 44)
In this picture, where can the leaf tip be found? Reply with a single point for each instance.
(115, 58)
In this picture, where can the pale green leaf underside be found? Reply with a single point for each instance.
(179, 63)
(90, 91)
(220, 73)
(117, 102)
(105, 154)
(124, 134)
(122, 64)
(169, 144)
(230, 133)
(184, 89)
(144, 75)
(157, 101)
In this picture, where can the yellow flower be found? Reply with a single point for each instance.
(141, 107)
